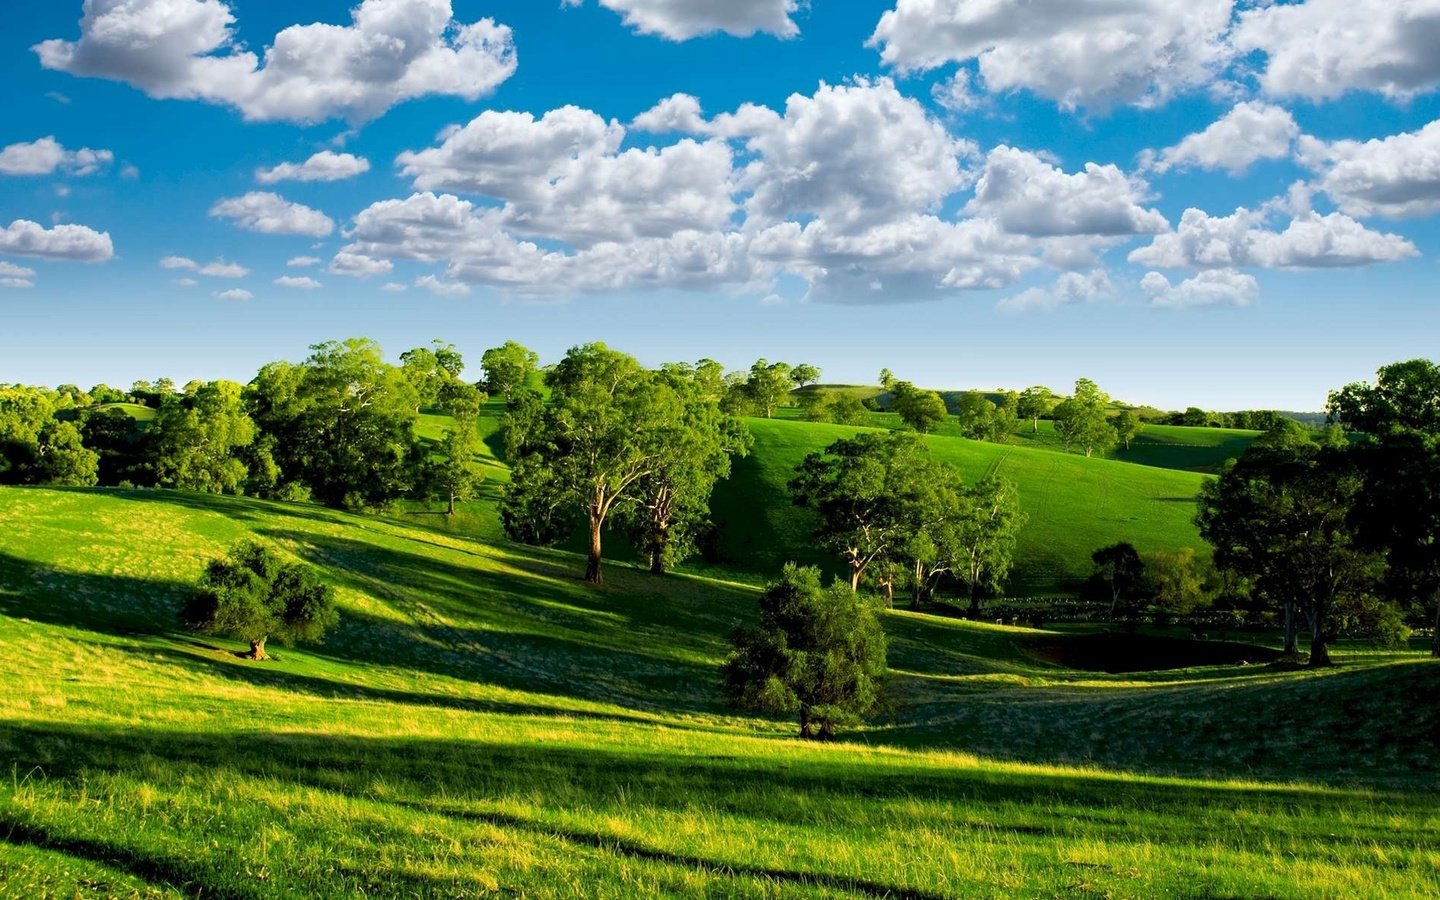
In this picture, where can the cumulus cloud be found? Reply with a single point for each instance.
(1242, 240)
(302, 283)
(1029, 196)
(75, 243)
(679, 112)
(222, 269)
(680, 20)
(1078, 54)
(1397, 176)
(234, 294)
(391, 52)
(13, 276)
(1214, 287)
(304, 262)
(47, 156)
(1069, 289)
(1250, 132)
(323, 166)
(442, 288)
(179, 262)
(1320, 49)
(358, 265)
(272, 214)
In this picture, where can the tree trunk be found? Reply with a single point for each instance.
(1035, 425)
(887, 587)
(257, 650)
(657, 561)
(1435, 632)
(855, 573)
(805, 722)
(974, 611)
(592, 561)
(1319, 653)
(451, 510)
(1292, 638)
(827, 730)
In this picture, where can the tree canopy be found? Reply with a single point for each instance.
(254, 594)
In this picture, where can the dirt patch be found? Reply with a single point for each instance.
(1119, 653)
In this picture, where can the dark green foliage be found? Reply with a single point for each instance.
(818, 653)
(1120, 574)
(980, 419)
(118, 442)
(62, 458)
(256, 595)
(920, 409)
(198, 440)
(1033, 403)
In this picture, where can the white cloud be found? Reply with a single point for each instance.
(222, 269)
(47, 156)
(178, 262)
(957, 93)
(1241, 240)
(64, 242)
(679, 112)
(680, 20)
(442, 288)
(1214, 287)
(1250, 132)
(1320, 49)
(303, 283)
(186, 282)
(1069, 289)
(304, 262)
(234, 294)
(13, 276)
(1028, 196)
(1397, 176)
(272, 214)
(393, 51)
(358, 265)
(1079, 54)
(323, 166)
(393, 287)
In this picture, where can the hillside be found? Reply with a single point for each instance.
(1074, 505)
(482, 721)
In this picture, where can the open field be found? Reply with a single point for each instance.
(482, 722)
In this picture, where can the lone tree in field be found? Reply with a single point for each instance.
(864, 490)
(508, 367)
(456, 475)
(1034, 402)
(979, 418)
(1122, 572)
(254, 594)
(804, 374)
(768, 386)
(1081, 420)
(1128, 427)
(818, 653)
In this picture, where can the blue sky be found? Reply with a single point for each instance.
(1176, 200)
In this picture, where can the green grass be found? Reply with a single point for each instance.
(1074, 505)
(481, 722)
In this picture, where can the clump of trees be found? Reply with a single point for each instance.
(818, 653)
(618, 441)
(888, 510)
(1082, 420)
(255, 595)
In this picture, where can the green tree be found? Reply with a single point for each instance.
(977, 415)
(887, 379)
(988, 530)
(508, 367)
(456, 474)
(846, 409)
(197, 440)
(1122, 572)
(118, 442)
(768, 386)
(432, 371)
(1176, 581)
(922, 410)
(817, 653)
(1128, 427)
(804, 374)
(1405, 398)
(817, 405)
(24, 413)
(255, 595)
(863, 490)
(1034, 402)
(591, 450)
(62, 458)
(1081, 421)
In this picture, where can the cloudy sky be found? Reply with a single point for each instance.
(1229, 204)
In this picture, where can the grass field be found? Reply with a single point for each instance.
(1074, 505)
(481, 722)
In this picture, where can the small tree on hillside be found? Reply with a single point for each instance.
(1128, 427)
(988, 531)
(804, 374)
(254, 594)
(977, 416)
(508, 367)
(816, 405)
(818, 653)
(922, 410)
(768, 386)
(456, 475)
(1034, 402)
(846, 409)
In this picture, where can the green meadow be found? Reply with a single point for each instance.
(483, 723)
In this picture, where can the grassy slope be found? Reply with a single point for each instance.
(481, 721)
(1075, 505)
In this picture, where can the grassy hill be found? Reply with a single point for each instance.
(1075, 505)
(482, 722)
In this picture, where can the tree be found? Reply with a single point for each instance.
(590, 451)
(977, 415)
(1284, 519)
(432, 371)
(255, 595)
(1175, 581)
(887, 379)
(197, 440)
(862, 489)
(1128, 427)
(817, 405)
(508, 367)
(986, 537)
(1081, 420)
(456, 475)
(1121, 570)
(1404, 398)
(768, 386)
(24, 413)
(920, 409)
(846, 409)
(61, 457)
(1007, 415)
(117, 441)
(673, 499)
(1034, 402)
(1194, 417)
(818, 653)
(342, 424)
(804, 374)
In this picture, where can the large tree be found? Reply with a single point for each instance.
(922, 410)
(817, 653)
(591, 450)
(989, 527)
(1121, 571)
(255, 595)
(1034, 402)
(768, 386)
(1081, 420)
(433, 372)
(863, 490)
(508, 367)
(978, 416)
(198, 439)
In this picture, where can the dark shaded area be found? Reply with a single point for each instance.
(1118, 653)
